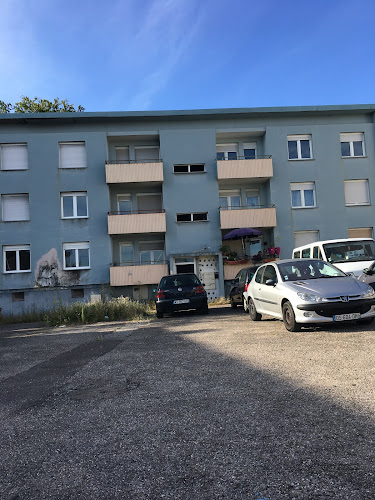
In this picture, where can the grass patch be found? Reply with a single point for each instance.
(219, 302)
(118, 309)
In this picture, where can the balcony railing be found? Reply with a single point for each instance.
(243, 167)
(247, 216)
(138, 273)
(125, 162)
(135, 222)
(129, 171)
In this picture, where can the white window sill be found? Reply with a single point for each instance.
(17, 272)
(299, 208)
(76, 268)
(348, 157)
(190, 221)
(300, 159)
(74, 218)
(14, 169)
(359, 205)
(190, 173)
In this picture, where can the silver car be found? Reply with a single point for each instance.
(305, 291)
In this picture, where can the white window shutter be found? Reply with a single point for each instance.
(16, 207)
(356, 192)
(355, 137)
(14, 157)
(360, 232)
(73, 155)
(305, 237)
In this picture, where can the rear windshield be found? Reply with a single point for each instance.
(181, 280)
(350, 251)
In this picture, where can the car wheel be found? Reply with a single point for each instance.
(289, 318)
(366, 321)
(254, 315)
(245, 305)
(159, 314)
(233, 305)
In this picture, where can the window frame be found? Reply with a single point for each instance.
(15, 195)
(229, 194)
(10, 144)
(298, 138)
(227, 145)
(302, 191)
(189, 165)
(74, 195)
(351, 144)
(352, 181)
(191, 217)
(76, 246)
(17, 249)
(129, 198)
(126, 244)
(72, 143)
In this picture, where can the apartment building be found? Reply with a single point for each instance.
(107, 203)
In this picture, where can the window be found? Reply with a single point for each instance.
(250, 150)
(184, 265)
(305, 237)
(126, 253)
(122, 154)
(15, 207)
(317, 253)
(124, 203)
(16, 259)
(360, 232)
(269, 274)
(13, 157)
(72, 155)
(18, 296)
(151, 252)
(226, 151)
(74, 205)
(252, 198)
(356, 192)
(352, 145)
(230, 199)
(306, 253)
(303, 194)
(76, 255)
(195, 217)
(77, 293)
(146, 153)
(299, 147)
(188, 169)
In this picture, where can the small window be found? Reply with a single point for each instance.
(188, 169)
(249, 151)
(74, 205)
(13, 157)
(316, 253)
(18, 296)
(72, 155)
(352, 145)
(299, 147)
(227, 151)
(151, 252)
(126, 253)
(78, 293)
(15, 207)
(297, 255)
(16, 259)
(194, 217)
(124, 203)
(230, 199)
(360, 232)
(252, 198)
(356, 192)
(306, 252)
(76, 255)
(303, 194)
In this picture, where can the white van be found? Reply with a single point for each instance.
(350, 255)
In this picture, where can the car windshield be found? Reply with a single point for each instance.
(350, 251)
(180, 280)
(305, 269)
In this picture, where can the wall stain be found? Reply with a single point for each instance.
(49, 272)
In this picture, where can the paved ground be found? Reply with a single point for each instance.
(188, 407)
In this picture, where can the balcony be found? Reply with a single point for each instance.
(132, 171)
(260, 216)
(259, 169)
(142, 221)
(134, 274)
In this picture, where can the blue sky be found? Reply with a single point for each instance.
(188, 54)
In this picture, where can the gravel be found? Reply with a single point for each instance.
(187, 407)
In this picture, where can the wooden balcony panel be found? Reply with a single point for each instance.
(136, 223)
(248, 217)
(260, 168)
(149, 274)
(134, 172)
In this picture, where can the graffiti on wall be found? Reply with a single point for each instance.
(49, 272)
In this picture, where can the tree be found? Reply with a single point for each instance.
(38, 105)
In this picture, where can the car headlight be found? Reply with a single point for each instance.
(368, 294)
(308, 297)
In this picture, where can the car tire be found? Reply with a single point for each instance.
(289, 318)
(233, 305)
(366, 321)
(159, 314)
(245, 306)
(254, 315)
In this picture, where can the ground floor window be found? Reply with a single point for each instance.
(76, 255)
(184, 265)
(16, 259)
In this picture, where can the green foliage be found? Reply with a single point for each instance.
(119, 309)
(38, 105)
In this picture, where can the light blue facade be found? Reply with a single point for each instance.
(182, 137)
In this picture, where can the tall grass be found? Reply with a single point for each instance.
(121, 308)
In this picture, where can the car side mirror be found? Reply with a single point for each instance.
(368, 271)
(270, 282)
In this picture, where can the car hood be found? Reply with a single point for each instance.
(328, 287)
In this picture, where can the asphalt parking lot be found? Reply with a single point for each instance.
(187, 407)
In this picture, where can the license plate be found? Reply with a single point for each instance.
(346, 317)
(181, 301)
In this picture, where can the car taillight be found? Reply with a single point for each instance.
(160, 294)
(246, 287)
(199, 289)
